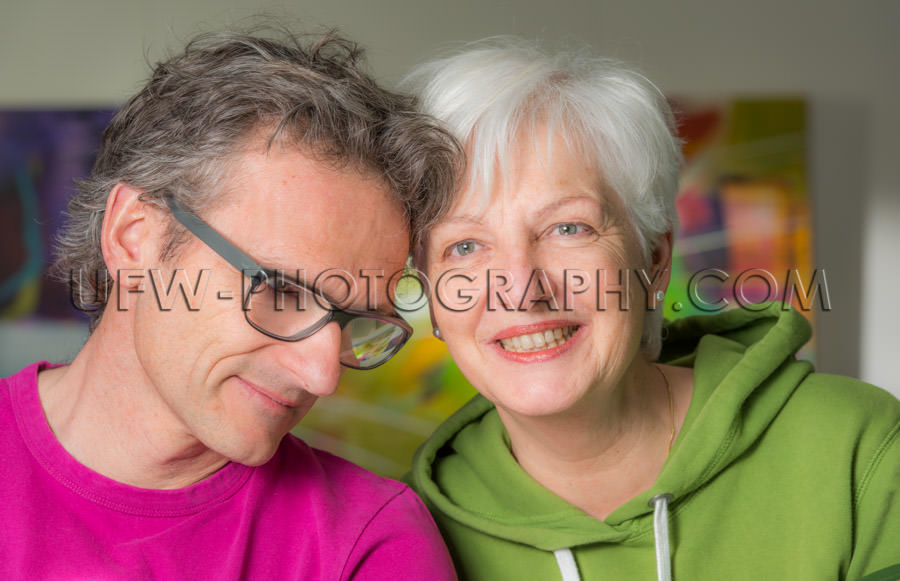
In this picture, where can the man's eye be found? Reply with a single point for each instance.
(288, 290)
(283, 287)
(463, 248)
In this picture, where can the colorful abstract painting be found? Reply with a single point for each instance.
(41, 154)
(745, 227)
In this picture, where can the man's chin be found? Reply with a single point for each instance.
(255, 456)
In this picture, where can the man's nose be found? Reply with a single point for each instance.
(315, 360)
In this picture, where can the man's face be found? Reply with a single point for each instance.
(224, 384)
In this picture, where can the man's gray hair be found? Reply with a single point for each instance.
(178, 135)
(497, 92)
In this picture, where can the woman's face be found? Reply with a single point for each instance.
(536, 293)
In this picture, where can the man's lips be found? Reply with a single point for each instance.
(274, 397)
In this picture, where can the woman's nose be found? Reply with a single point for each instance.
(525, 282)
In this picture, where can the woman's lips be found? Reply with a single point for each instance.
(536, 342)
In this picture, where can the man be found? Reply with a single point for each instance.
(249, 205)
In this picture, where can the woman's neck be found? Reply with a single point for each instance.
(610, 448)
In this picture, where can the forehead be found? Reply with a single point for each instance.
(289, 210)
(538, 167)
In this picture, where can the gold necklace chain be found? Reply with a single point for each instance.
(671, 408)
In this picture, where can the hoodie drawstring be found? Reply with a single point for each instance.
(660, 504)
(565, 560)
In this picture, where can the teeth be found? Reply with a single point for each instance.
(527, 343)
(538, 341)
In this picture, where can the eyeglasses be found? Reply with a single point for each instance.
(367, 339)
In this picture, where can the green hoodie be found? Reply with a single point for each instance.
(777, 473)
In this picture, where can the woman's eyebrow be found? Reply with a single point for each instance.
(569, 200)
(465, 218)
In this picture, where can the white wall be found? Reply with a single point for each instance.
(842, 56)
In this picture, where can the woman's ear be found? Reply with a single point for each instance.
(657, 279)
(127, 238)
(434, 326)
(435, 330)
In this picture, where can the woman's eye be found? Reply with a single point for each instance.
(569, 229)
(463, 248)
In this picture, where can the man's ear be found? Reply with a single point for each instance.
(127, 238)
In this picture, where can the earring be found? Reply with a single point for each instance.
(437, 333)
(660, 295)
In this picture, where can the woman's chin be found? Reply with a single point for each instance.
(540, 400)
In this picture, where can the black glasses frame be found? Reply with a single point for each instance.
(259, 275)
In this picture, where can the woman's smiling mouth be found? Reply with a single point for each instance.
(538, 341)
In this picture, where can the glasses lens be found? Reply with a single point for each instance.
(368, 342)
(288, 311)
(284, 309)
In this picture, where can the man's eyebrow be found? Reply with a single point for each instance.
(271, 261)
(332, 301)
(306, 284)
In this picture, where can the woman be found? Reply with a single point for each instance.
(593, 451)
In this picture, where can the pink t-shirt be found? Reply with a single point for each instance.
(303, 515)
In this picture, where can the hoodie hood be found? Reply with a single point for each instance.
(744, 372)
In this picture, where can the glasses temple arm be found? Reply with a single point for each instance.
(214, 240)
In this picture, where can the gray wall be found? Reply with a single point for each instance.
(843, 57)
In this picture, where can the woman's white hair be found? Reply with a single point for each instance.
(495, 91)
